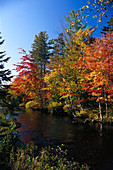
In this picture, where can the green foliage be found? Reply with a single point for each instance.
(30, 103)
(108, 28)
(4, 74)
(33, 104)
(40, 52)
(8, 139)
(58, 52)
(55, 107)
(31, 158)
(74, 22)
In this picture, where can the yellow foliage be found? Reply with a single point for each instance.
(30, 104)
(87, 6)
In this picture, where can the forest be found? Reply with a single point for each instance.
(70, 75)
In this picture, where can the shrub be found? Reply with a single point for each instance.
(8, 138)
(55, 107)
(31, 158)
(31, 104)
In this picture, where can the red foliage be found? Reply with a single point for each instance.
(27, 81)
(63, 94)
(80, 101)
(97, 65)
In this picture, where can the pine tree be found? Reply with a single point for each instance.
(40, 52)
(58, 52)
(108, 28)
(74, 21)
(5, 74)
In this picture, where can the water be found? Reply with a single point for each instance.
(85, 143)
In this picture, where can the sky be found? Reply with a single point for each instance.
(21, 20)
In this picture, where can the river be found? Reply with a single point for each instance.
(84, 142)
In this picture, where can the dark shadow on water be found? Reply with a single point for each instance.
(87, 144)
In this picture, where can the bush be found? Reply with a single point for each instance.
(8, 138)
(31, 104)
(31, 158)
(55, 107)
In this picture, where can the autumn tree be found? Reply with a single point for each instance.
(77, 37)
(64, 78)
(40, 52)
(63, 82)
(28, 83)
(74, 22)
(97, 71)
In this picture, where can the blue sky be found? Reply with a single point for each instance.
(20, 20)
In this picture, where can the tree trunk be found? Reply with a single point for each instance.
(41, 71)
(100, 130)
(44, 69)
(106, 104)
(100, 110)
(106, 109)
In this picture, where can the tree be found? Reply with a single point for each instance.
(64, 80)
(5, 74)
(58, 52)
(108, 28)
(74, 21)
(28, 83)
(97, 72)
(40, 52)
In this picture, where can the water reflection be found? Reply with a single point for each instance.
(86, 143)
(36, 124)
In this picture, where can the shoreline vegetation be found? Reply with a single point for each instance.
(82, 118)
(14, 154)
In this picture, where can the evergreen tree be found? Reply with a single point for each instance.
(40, 52)
(58, 52)
(74, 21)
(108, 28)
(5, 74)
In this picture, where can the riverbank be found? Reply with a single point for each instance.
(84, 117)
(91, 144)
(14, 154)
(85, 142)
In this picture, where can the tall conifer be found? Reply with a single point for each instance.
(58, 52)
(5, 74)
(40, 52)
